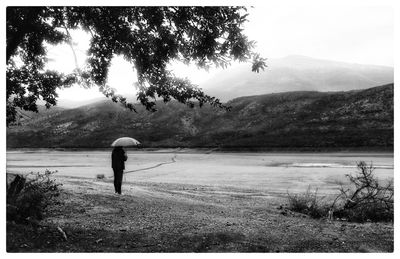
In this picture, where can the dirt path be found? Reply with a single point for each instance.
(159, 217)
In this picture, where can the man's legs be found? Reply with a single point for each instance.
(118, 181)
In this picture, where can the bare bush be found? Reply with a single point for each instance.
(365, 198)
(28, 197)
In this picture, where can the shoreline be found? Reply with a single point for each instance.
(212, 150)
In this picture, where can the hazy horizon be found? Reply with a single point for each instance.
(86, 96)
(353, 33)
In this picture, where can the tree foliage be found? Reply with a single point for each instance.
(148, 37)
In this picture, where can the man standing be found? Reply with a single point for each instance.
(118, 158)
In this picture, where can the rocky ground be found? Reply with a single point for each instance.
(160, 217)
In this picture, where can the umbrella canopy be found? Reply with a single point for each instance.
(125, 142)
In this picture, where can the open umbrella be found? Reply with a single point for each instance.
(125, 142)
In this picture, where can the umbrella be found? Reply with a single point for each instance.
(125, 142)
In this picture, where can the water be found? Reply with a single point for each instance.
(271, 172)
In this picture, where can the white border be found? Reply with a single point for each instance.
(312, 3)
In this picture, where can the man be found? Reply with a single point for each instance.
(118, 158)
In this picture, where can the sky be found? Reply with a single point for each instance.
(356, 33)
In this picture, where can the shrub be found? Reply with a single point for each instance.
(28, 197)
(308, 203)
(365, 198)
(100, 176)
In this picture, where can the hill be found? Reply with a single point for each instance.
(23, 117)
(296, 73)
(292, 120)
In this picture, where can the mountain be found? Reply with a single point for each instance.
(296, 73)
(67, 103)
(291, 73)
(292, 120)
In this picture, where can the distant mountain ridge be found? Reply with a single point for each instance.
(287, 74)
(296, 73)
(68, 104)
(291, 120)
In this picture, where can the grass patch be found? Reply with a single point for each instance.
(308, 203)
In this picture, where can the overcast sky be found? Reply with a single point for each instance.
(350, 33)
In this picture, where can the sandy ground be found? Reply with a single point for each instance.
(194, 202)
(179, 217)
